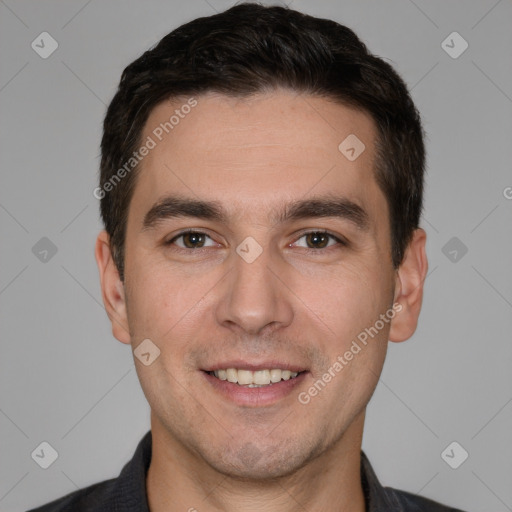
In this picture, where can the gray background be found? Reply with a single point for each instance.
(64, 379)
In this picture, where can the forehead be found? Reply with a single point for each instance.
(255, 153)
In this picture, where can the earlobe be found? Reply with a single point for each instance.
(410, 277)
(112, 288)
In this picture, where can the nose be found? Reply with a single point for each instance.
(253, 297)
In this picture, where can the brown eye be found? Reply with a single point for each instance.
(314, 240)
(317, 240)
(190, 240)
(193, 240)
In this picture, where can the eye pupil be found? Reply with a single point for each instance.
(193, 240)
(319, 240)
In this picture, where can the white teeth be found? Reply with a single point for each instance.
(275, 375)
(254, 379)
(232, 375)
(245, 377)
(261, 377)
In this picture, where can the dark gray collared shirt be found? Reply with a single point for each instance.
(127, 492)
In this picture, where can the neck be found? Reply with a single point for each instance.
(179, 480)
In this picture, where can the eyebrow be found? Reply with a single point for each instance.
(322, 206)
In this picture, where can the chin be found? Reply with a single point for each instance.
(252, 461)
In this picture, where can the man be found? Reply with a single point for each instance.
(261, 189)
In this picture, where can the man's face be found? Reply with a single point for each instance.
(298, 305)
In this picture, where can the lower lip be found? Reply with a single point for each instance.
(256, 397)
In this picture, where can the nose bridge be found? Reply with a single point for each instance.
(252, 297)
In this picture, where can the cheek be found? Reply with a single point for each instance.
(348, 303)
(348, 298)
(164, 304)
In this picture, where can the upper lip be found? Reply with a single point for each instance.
(244, 365)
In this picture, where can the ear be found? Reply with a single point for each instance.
(112, 288)
(410, 277)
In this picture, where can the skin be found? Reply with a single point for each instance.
(291, 304)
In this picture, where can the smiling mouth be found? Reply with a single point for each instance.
(254, 379)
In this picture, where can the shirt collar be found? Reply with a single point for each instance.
(377, 498)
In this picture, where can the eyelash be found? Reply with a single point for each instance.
(316, 231)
